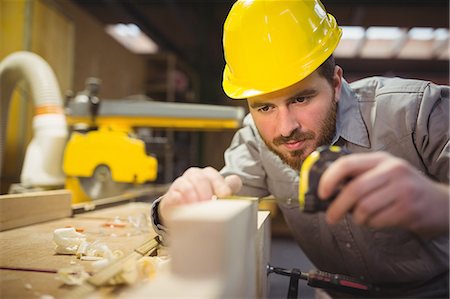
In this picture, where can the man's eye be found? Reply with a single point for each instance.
(264, 108)
(300, 99)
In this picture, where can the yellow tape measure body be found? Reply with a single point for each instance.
(311, 171)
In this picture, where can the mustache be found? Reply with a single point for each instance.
(295, 135)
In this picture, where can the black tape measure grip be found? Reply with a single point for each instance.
(311, 172)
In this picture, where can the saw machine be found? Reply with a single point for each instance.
(104, 157)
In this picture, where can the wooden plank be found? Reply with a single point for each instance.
(17, 210)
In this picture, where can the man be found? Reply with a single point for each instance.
(279, 57)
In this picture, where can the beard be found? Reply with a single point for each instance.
(324, 136)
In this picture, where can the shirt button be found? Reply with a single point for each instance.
(348, 245)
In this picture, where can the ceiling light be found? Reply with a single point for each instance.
(441, 34)
(351, 41)
(425, 43)
(352, 32)
(383, 42)
(421, 33)
(441, 45)
(394, 42)
(384, 33)
(132, 38)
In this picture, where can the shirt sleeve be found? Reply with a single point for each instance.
(431, 134)
(158, 227)
(243, 158)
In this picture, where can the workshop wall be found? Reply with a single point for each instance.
(96, 54)
(12, 27)
(76, 47)
(33, 26)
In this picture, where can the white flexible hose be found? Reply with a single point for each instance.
(43, 159)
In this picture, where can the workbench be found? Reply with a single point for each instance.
(28, 263)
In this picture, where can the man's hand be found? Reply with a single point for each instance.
(385, 191)
(195, 185)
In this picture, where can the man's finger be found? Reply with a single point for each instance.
(387, 217)
(182, 191)
(199, 182)
(216, 182)
(372, 180)
(374, 203)
(234, 182)
(345, 167)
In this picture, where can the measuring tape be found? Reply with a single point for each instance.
(311, 172)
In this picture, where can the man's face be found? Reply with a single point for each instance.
(296, 120)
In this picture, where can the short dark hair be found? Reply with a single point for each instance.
(326, 69)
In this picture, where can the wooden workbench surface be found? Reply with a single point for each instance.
(28, 260)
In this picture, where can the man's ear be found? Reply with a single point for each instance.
(337, 82)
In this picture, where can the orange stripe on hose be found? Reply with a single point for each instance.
(47, 109)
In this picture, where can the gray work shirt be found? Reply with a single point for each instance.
(407, 118)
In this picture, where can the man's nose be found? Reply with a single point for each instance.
(287, 122)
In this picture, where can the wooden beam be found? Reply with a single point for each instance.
(18, 210)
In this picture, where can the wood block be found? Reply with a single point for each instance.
(216, 239)
(18, 210)
(263, 238)
(212, 252)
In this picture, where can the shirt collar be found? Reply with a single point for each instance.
(349, 123)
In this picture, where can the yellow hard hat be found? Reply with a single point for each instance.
(272, 44)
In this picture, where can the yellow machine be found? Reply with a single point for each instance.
(106, 162)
